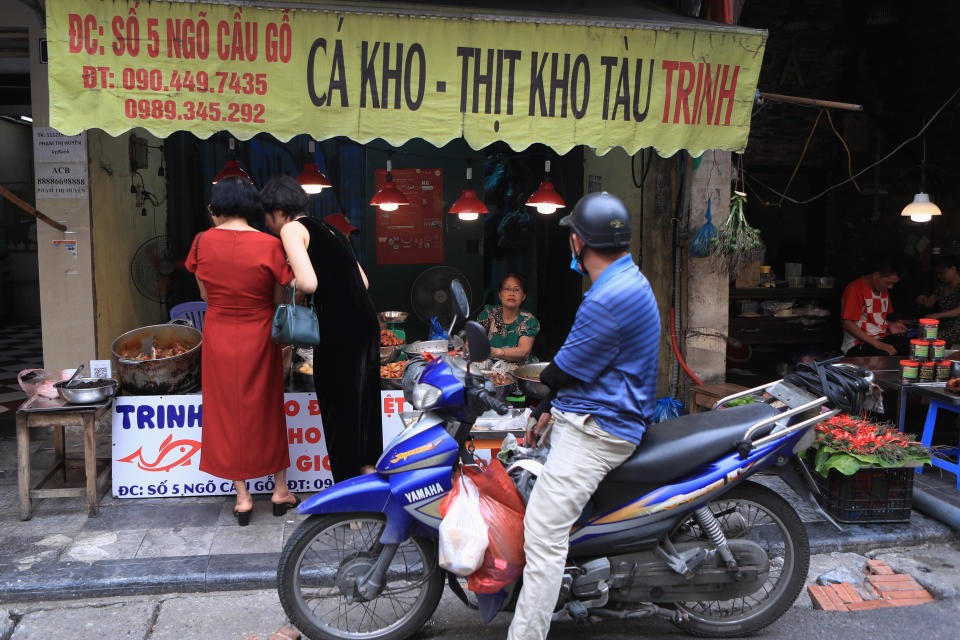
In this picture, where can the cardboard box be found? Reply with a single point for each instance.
(749, 276)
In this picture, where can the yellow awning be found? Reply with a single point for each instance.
(401, 73)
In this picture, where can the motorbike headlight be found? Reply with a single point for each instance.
(424, 396)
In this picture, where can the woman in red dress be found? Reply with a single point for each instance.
(241, 272)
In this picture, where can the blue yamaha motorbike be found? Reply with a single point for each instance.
(677, 531)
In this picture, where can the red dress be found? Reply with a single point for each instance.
(244, 428)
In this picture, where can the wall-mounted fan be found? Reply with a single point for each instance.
(152, 267)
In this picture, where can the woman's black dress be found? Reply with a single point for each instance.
(346, 365)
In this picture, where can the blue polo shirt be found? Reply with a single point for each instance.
(613, 350)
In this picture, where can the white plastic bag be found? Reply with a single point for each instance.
(463, 533)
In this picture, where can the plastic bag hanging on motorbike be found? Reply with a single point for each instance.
(436, 331)
(667, 409)
(502, 509)
(463, 532)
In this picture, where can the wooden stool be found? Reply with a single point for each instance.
(704, 396)
(85, 416)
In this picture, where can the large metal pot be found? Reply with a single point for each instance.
(164, 376)
(528, 378)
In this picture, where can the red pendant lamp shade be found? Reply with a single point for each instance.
(232, 169)
(468, 206)
(389, 198)
(311, 179)
(546, 199)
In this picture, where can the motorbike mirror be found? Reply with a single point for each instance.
(461, 305)
(477, 341)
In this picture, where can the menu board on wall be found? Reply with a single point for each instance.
(413, 234)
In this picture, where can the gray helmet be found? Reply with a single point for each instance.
(601, 220)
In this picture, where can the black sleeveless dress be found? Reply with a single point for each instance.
(346, 365)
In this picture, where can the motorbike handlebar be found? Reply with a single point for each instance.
(487, 401)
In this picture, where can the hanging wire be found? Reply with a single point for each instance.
(868, 167)
(803, 153)
(845, 148)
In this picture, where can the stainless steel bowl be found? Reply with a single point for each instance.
(389, 354)
(90, 395)
(393, 316)
(528, 379)
(436, 347)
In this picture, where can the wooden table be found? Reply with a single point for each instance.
(84, 416)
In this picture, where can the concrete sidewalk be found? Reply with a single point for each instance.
(182, 545)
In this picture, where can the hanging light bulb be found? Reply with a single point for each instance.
(312, 180)
(546, 200)
(232, 169)
(468, 206)
(389, 198)
(921, 209)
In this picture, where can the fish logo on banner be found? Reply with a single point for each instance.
(168, 449)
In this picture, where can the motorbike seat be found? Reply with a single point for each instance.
(671, 449)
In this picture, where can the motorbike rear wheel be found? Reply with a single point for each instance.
(320, 563)
(753, 512)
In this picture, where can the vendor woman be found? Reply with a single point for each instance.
(946, 300)
(510, 329)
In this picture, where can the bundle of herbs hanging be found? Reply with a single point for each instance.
(737, 244)
(845, 443)
(702, 239)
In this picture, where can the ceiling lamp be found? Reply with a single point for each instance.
(921, 209)
(546, 199)
(311, 179)
(468, 206)
(232, 169)
(388, 198)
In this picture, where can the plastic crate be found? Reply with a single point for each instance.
(869, 495)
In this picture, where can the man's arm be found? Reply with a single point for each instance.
(851, 327)
(555, 378)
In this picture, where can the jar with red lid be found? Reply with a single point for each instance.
(928, 371)
(909, 371)
(943, 370)
(929, 328)
(919, 349)
(937, 349)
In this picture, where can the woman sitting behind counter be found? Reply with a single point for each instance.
(510, 329)
(946, 300)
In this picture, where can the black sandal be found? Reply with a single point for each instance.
(243, 517)
(281, 508)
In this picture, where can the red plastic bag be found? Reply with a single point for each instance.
(502, 509)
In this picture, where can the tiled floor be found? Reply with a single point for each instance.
(20, 348)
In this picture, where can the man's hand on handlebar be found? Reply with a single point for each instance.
(534, 429)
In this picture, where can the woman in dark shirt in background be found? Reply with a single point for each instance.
(946, 300)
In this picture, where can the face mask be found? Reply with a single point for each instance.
(575, 264)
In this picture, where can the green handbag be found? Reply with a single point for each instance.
(295, 324)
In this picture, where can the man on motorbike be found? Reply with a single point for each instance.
(604, 383)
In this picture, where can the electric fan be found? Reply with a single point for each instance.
(152, 266)
(430, 293)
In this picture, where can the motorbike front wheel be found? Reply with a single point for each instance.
(321, 562)
(752, 512)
